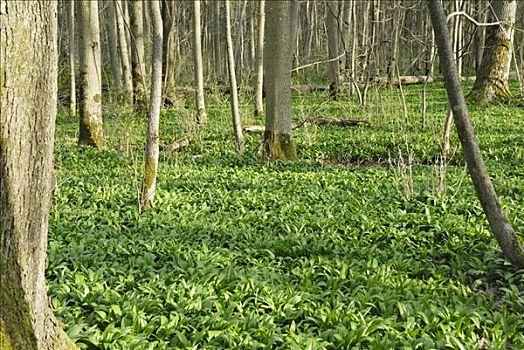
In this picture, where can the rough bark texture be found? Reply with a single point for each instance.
(500, 225)
(153, 134)
(259, 89)
(137, 55)
(278, 143)
(124, 52)
(235, 113)
(493, 74)
(199, 69)
(28, 85)
(91, 132)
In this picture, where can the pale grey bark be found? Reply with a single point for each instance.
(138, 55)
(198, 67)
(500, 224)
(114, 55)
(217, 42)
(168, 51)
(259, 89)
(278, 143)
(72, 57)
(28, 61)
(123, 45)
(91, 132)
(235, 113)
(153, 133)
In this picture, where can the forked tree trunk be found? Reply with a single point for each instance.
(137, 55)
(153, 134)
(493, 74)
(278, 142)
(235, 113)
(198, 67)
(72, 78)
(259, 89)
(26, 163)
(500, 225)
(91, 132)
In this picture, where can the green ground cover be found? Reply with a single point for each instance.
(356, 245)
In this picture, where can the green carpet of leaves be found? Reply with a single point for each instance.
(350, 247)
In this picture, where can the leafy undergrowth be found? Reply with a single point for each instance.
(350, 247)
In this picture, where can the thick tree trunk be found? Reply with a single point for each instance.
(259, 89)
(28, 105)
(278, 143)
(333, 48)
(123, 44)
(198, 67)
(153, 134)
(235, 113)
(500, 225)
(137, 55)
(91, 132)
(493, 74)
(72, 57)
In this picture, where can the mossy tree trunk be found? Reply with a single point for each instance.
(28, 88)
(235, 113)
(500, 224)
(137, 55)
(91, 132)
(198, 66)
(153, 134)
(278, 142)
(493, 74)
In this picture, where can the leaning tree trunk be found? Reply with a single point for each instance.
(199, 69)
(493, 75)
(72, 78)
(28, 105)
(278, 143)
(235, 113)
(259, 89)
(91, 132)
(151, 161)
(500, 225)
(137, 55)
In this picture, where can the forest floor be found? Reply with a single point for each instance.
(359, 244)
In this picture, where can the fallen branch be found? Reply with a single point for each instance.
(259, 129)
(178, 145)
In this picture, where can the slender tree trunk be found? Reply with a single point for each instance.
(168, 48)
(137, 55)
(116, 68)
(123, 44)
(235, 113)
(91, 132)
(28, 104)
(333, 49)
(293, 29)
(217, 41)
(239, 38)
(72, 56)
(500, 225)
(493, 74)
(199, 69)
(259, 89)
(153, 134)
(278, 143)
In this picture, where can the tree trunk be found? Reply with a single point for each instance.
(153, 135)
(278, 143)
(333, 48)
(28, 104)
(198, 68)
(168, 48)
(237, 127)
(91, 132)
(72, 56)
(493, 74)
(116, 68)
(500, 225)
(217, 43)
(137, 55)
(124, 53)
(259, 89)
